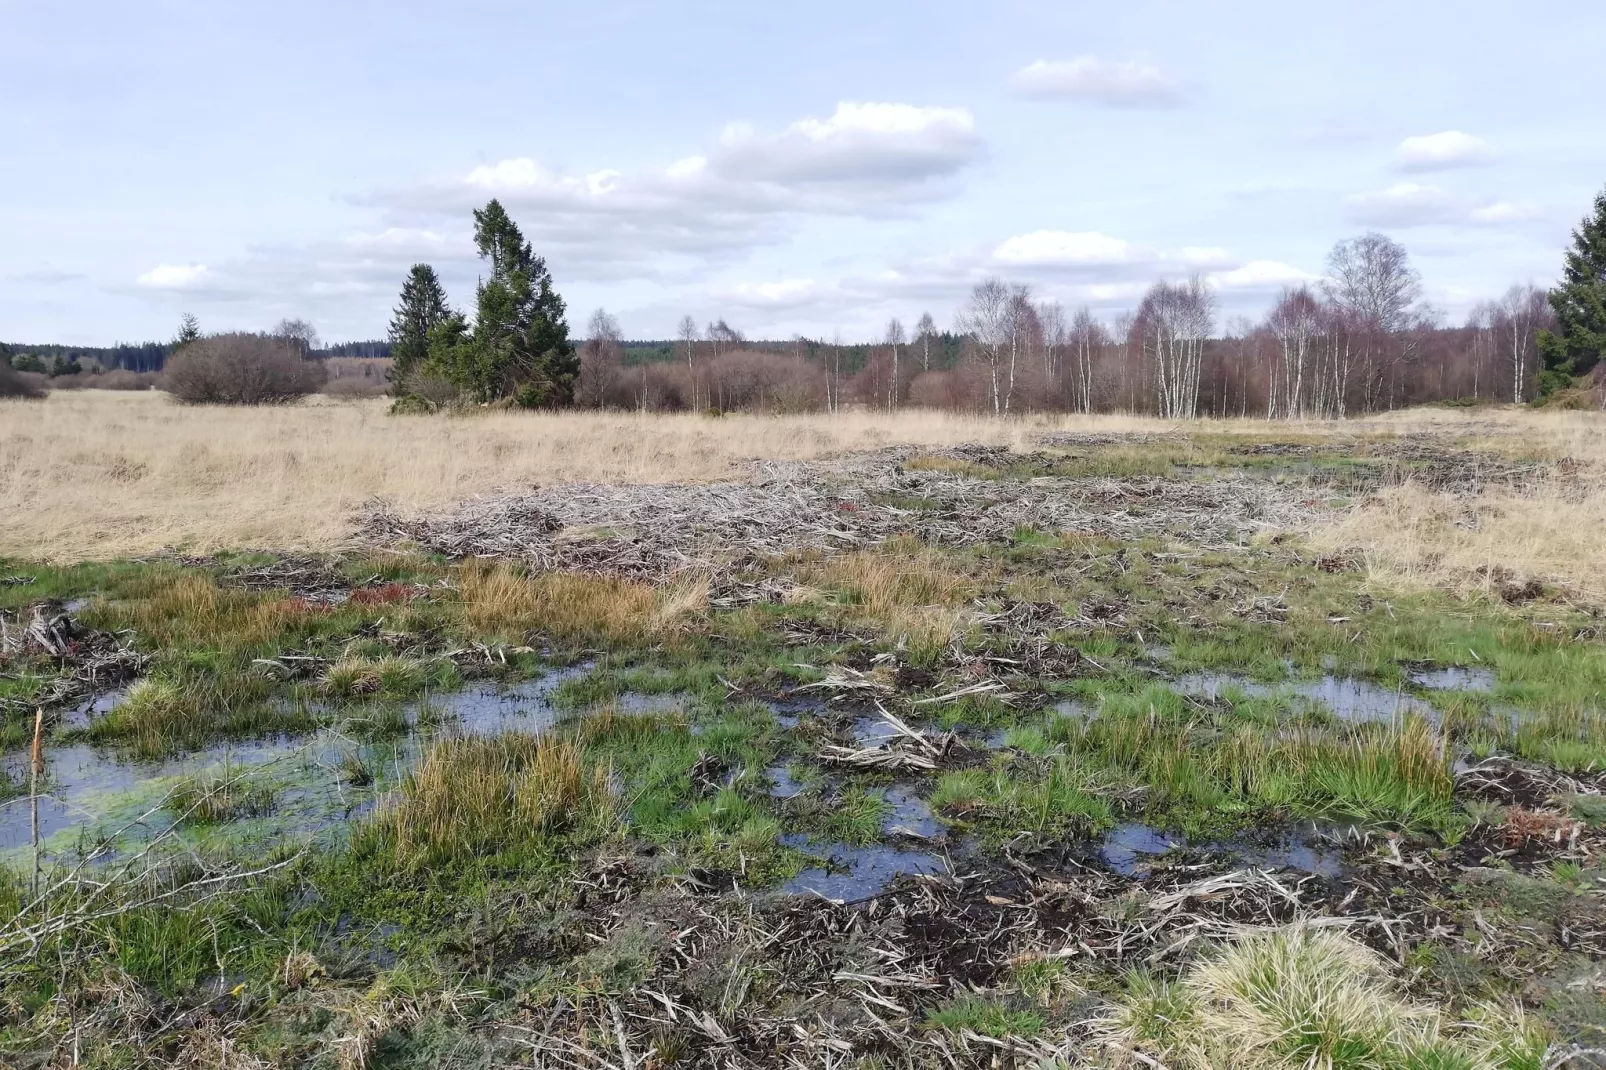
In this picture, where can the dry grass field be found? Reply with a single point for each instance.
(752, 742)
(100, 474)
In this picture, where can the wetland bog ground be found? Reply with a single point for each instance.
(620, 741)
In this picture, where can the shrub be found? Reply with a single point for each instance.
(15, 384)
(116, 379)
(241, 369)
(356, 386)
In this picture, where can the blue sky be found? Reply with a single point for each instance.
(800, 168)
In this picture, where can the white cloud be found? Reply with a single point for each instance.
(1403, 204)
(1203, 255)
(1061, 248)
(1504, 212)
(688, 167)
(747, 190)
(173, 276)
(783, 293)
(859, 143)
(1262, 275)
(1111, 83)
(1413, 204)
(1446, 149)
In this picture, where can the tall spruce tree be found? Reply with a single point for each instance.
(1579, 341)
(520, 344)
(422, 306)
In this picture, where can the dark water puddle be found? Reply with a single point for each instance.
(1453, 678)
(1346, 697)
(90, 792)
(1131, 849)
(649, 702)
(1128, 849)
(486, 709)
(1077, 708)
(782, 785)
(1292, 852)
(910, 815)
(856, 873)
(874, 732)
(789, 711)
(96, 705)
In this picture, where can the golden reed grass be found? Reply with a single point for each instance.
(104, 474)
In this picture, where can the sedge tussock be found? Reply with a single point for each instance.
(475, 797)
(1303, 997)
(572, 606)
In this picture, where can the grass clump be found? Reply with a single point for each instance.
(989, 1017)
(576, 608)
(911, 594)
(1009, 797)
(215, 800)
(152, 717)
(1302, 996)
(390, 677)
(475, 797)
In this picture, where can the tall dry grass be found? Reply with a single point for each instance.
(478, 796)
(1415, 536)
(101, 474)
(575, 607)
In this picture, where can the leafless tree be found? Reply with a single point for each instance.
(895, 340)
(299, 333)
(1088, 339)
(925, 333)
(687, 333)
(1051, 318)
(1371, 281)
(601, 360)
(1175, 321)
(988, 319)
(1296, 322)
(1520, 315)
(723, 337)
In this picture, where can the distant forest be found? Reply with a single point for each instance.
(141, 356)
(150, 356)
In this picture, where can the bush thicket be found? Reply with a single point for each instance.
(241, 369)
(15, 384)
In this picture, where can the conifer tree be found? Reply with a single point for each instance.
(422, 306)
(1579, 341)
(520, 345)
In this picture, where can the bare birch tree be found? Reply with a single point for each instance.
(925, 334)
(894, 339)
(1051, 318)
(1519, 317)
(1088, 339)
(600, 360)
(1175, 321)
(987, 319)
(1296, 322)
(1371, 279)
(688, 340)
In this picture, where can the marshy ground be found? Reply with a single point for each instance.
(1106, 749)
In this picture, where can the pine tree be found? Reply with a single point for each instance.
(189, 329)
(1579, 341)
(520, 344)
(423, 305)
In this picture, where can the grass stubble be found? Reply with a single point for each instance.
(531, 896)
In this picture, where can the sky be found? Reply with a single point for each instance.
(813, 168)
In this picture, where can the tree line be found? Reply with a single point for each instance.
(1360, 340)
